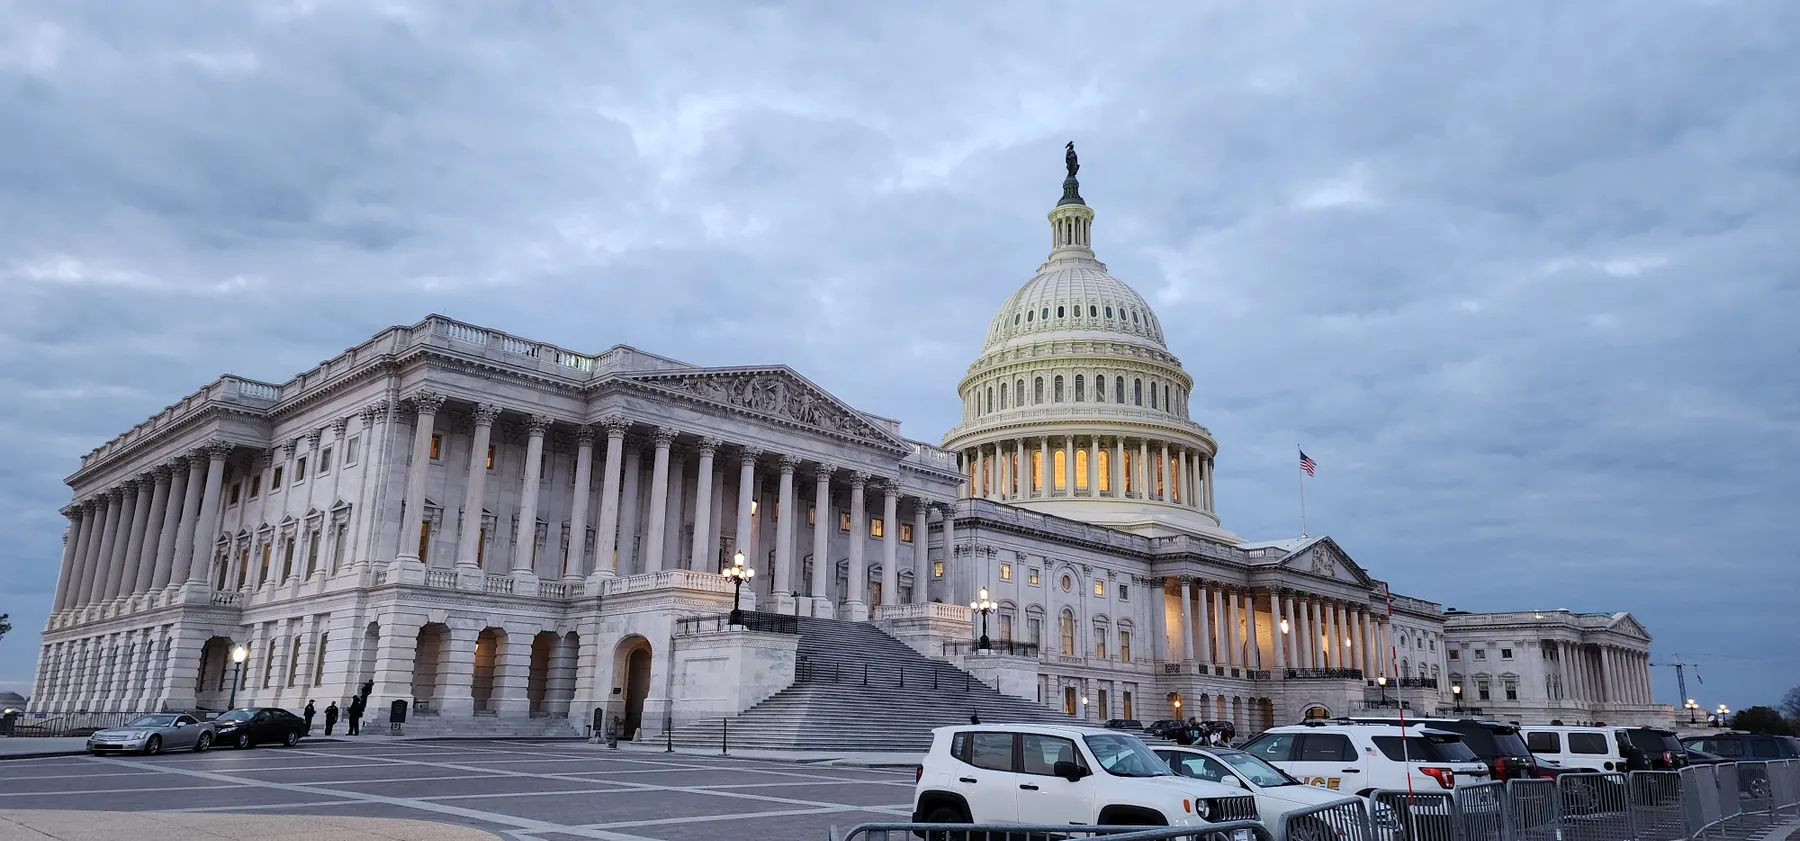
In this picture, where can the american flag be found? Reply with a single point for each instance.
(1308, 464)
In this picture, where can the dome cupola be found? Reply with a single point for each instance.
(1075, 406)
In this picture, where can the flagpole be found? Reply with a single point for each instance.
(1300, 475)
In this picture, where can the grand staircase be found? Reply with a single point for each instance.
(858, 689)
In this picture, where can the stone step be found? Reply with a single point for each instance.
(487, 725)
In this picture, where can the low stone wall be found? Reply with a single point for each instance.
(720, 673)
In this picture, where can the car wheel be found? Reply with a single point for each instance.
(153, 746)
(204, 743)
(946, 814)
(241, 741)
(291, 739)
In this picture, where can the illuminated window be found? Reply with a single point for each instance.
(424, 540)
(1100, 643)
(1099, 588)
(937, 569)
(490, 457)
(812, 515)
(1033, 576)
(1105, 470)
(1125, 650)
(875, 526)
(1037, 469)
(437, 447)
(1081, 468)
(1006, 572)
(1060, 472)
(906, 533)
(844, 521)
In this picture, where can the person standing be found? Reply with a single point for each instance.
(308, 714)
(331, 717)
(356, 714)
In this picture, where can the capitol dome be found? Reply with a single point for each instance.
(1076, 407)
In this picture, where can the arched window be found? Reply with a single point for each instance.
(1019, 391)
(1152, 394)
(1046, 314)
(1003, 395)
(990, 398)
(1119, 390)
(1080, 388)
(1060, 312)
(1037, 390)
(1167, 406)
(1093, 311)
(1137, 392)
(1029, 315)
(1059, 390)
(1066, 623)
(1015, 319)
(1099, 388)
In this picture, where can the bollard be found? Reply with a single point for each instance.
(934, 677)
(725, 737)
(965, 681)
(669, 734)
(865, 674)
(902, 677)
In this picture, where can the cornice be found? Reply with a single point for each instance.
(645, 385)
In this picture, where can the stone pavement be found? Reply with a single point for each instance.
(14, 747)
(42, 825)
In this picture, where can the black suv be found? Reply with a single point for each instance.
(1746, 747)
(1495, 743)
(1651, 749)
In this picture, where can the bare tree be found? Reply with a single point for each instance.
(1790, 703)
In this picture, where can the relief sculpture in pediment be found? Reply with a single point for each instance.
(776, 395)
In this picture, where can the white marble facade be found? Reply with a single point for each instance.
(492, 525)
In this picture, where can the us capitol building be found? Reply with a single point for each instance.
(509, 535)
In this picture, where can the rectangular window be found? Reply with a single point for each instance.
(263, 577)
(1125, 699)
(437, 447)
(325, 461)
(844, 522)
(1543, 742)
(937, 569)
(424, 540)
(275, 478)
(875, 526)
(1100, 643)
(992, 751)
(490, 457)
(287, 558)
(1455, 655)
(293, 659)
(1125, 645)
(1484, 690)
(812, 515)
(1099, 588)
(319, 651)
(1506, 654)
(341, 544)
(1481, 654)
(1032, 576)
(1105, 704)
(1034, 630)
(1512, 690)
(255, 486)
(232, 498)
(1006, 572)
(481, 548)
(312, 553)
(300, 470)
(1124, 592)
(1006, 626)
(1589, 743)
(906, 533)
(1041, 753)
(350, 448)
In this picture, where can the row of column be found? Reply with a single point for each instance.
(621, 467)
(1097, 467)
(1232, 626)
(1605, 673)
(126, 670)
(140, 536)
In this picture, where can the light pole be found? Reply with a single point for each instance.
(238, 655)
(1693, 710)
(1084, 706)
(984, 607)
(1724, 716)
(1382, 682)
(738, 573)
(1456, 692)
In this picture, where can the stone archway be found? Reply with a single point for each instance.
(429, 660)
(1315, 712)
(489, 646)
(541, 676)
(371, 643)
(212, 686)
(631, 673)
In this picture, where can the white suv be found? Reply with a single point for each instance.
(1352, 757)
(1276, 793)
(1049, 774)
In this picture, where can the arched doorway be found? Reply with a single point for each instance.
(428, 654)
(365, 673)
(631, 673)
(541, 675)
(212, 688)
(488, 646)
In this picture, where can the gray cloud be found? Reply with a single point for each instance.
(1520, 278)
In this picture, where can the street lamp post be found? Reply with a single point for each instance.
(984, 607)
(1693, 711)
(1382, 682)
(738, 573)
(1724, 716)
(1456, 692)
(238, 655)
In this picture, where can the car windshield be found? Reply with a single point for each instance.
(153, 721)
(1126, 756)
(1654, 741)
(1507, 740)
(1260, 773)
(237, 715)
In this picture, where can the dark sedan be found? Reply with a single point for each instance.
(252, 726)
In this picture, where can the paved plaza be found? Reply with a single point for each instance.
(525, 790)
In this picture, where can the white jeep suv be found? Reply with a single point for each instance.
(1062, 775)
(1353, 757)
(1276, 793)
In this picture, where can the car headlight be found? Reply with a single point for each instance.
(140, 734)
(1203, 808)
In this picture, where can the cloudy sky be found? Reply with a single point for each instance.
(1521, 277)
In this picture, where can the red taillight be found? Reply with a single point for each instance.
(918, 773)
(1446, 777)
(1500, 769)
(1668, 759)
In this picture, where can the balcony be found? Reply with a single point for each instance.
(1322, 674)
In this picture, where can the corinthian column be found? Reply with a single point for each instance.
(525, 541)
(784, 536)
(132, 521)
(164, 564)
(855, 605)
(663, 438)
(412, 523)
(468, 546)
(821, 550)
(921, 568)
(890, 542)
(152, 534)
(607, 531)
(745, 502)
(575, 563)
(705, 555)
(71, 545)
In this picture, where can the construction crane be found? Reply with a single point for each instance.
(1681, 675)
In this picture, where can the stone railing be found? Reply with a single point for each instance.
(1322, 674)
(226, 598)
(499, 584)
(933, 457)
(680, 579)
(553, 590)
(1082, 412)
(444, 578)
(1027, 518)
(250, 394)
(507, 345)
(928, 610)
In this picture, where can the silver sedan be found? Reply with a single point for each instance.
(153, 734)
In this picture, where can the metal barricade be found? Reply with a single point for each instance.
(1480, 812)
(1222, 831)
(1784, 776)
(1533, 810)
(1654, 800)
(1725, 783)
(1416, 816)
(1347, 820)
(1699, 798)
(1755, 795)
(1595, 807)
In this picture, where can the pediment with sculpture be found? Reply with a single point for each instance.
(776, 392)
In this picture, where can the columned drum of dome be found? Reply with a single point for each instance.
(1077, 408)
